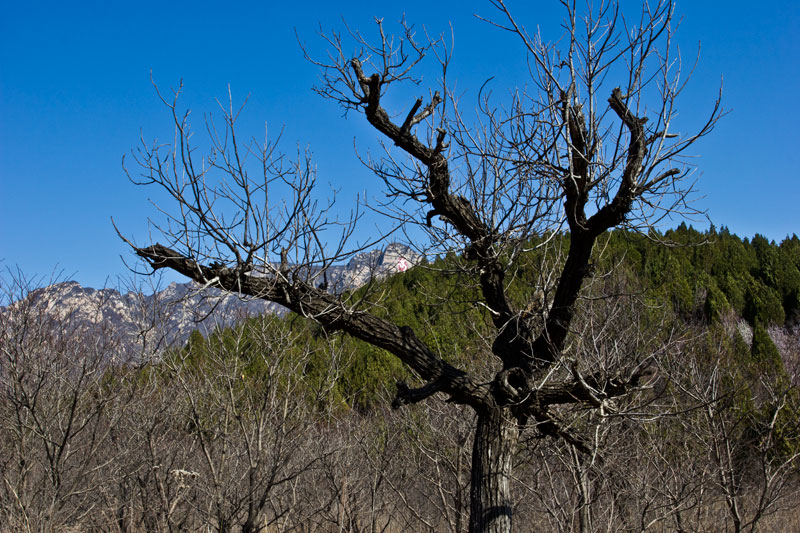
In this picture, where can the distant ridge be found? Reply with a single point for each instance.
(142, 323)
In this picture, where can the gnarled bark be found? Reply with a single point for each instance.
(496, 438)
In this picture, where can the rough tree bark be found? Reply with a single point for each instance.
(496, 437)
(575, 156)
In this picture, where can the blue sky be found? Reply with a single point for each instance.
(75, 95)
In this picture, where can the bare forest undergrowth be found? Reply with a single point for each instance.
(247, 434)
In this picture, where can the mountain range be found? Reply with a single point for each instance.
(144, 322)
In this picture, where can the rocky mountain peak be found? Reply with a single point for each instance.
(169, 315)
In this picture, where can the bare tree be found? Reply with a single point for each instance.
(248, 402)
(57, 411)
(743, 429)
(588, 146)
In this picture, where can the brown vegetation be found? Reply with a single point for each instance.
(237, 437)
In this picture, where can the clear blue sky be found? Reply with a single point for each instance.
(75, 95)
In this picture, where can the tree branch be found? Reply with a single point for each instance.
(327, 310)
(406, 395)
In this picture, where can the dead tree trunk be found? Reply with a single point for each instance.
(493, 449)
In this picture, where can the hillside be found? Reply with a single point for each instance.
(709, 283)
(277, 414)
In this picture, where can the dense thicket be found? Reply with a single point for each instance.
(724, 400)
(279, 425)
